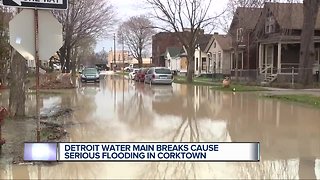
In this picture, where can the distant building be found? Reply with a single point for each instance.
(146, 62)
(121, 58)
(160, 43)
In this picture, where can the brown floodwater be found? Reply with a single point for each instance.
(123, 111)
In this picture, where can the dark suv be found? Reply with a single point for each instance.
(90, 74)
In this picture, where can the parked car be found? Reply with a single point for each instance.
(159, 75)
(90, 74)
(127, 69)
(141, 74)
(133, 73)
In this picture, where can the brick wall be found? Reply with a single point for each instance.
(160, 42)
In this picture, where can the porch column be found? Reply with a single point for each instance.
(208, 64)
(265, 60)
(260, 57)
(279, 57)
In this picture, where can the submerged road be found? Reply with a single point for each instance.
(124, 111)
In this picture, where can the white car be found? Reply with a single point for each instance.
(133, 73)
(127, 69)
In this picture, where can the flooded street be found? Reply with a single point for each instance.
(119, 110)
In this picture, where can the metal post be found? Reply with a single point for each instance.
(114, 52)
(36, 25)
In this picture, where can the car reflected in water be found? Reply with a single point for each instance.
(160, 93)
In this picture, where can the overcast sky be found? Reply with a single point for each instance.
(127, 8)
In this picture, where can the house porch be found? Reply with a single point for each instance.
(281, 58)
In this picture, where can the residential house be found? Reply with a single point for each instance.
(219, 50)
(174, 59)
(243, 40)
(201, 56)
(279, 35)
(164, 42)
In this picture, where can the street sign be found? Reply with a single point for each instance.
(37, 4)
(22, 34)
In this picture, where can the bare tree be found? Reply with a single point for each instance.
(5, 16)
(17, 98)
(83, 19)
(136, 34)
(179, 15)
(307, 52)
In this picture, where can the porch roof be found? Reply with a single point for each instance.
(285, 40)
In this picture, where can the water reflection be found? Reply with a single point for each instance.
(121, 110)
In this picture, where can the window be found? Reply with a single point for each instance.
(267, 29)
(317, 56)
(270, 24)
(163, 71)
(214, 45)
(219, 60)
(239, 34)
(197, 65)
(240, 60)
(204, 64)
(233, 61)
(214, 60)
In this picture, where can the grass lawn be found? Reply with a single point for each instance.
(240, 88)
(299, 98)
(217, 84)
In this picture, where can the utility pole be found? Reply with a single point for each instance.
(122, 51)
(36, 25)
(114, 52)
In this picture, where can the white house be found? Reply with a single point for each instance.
(219, 51)
(201, 61)
(201, 57)
(173, 59)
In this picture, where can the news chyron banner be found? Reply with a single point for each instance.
(143, 152)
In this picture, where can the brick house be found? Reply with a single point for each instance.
(243, 39)
(160, 43)
(278, 37)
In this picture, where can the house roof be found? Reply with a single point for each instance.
(246, 17)
(289, 15)
(224, 41)
(174, 51)
(204, 40)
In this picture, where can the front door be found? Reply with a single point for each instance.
(269, 58)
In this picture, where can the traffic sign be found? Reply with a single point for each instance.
(37, 4)
(22, 34)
